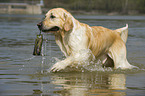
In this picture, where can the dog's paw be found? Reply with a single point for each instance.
(58, 66)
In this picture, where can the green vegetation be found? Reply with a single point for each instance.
(90, 6)
(99, 6)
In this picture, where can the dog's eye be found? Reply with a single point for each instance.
(52, 17)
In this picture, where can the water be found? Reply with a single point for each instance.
(22, 74)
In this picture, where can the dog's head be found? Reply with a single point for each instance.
(56, 20)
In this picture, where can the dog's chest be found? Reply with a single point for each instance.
(77, 40)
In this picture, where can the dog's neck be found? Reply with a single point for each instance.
(68, 40)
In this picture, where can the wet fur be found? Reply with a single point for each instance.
(82, 43)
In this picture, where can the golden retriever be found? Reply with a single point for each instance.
(82, 43)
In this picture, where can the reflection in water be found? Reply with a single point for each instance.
(90, 84)
(83, 84)
(117, 81)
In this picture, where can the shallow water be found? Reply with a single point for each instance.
(23, 74)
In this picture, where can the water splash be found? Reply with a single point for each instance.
(28, 59)
(46, 51)
(94, 66)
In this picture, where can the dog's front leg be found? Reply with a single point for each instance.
(62, 64)
(77, 59)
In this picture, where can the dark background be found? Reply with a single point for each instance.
(112, 7)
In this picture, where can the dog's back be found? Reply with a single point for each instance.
(100, 39)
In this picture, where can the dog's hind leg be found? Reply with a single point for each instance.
(118, 53)
(108, 62)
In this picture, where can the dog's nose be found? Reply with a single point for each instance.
(39, 25)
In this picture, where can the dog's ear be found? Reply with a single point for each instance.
(68, 25)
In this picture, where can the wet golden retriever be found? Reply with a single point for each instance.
(82, 43)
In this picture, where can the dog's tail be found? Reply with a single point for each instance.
(123, 33)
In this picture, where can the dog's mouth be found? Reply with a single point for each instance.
(53, 29)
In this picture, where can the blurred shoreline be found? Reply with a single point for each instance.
(96, 12)
(98, 7)
(76, 7)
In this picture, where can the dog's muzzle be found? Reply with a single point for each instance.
(52, 29)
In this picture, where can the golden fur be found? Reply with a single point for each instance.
(81, 43)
